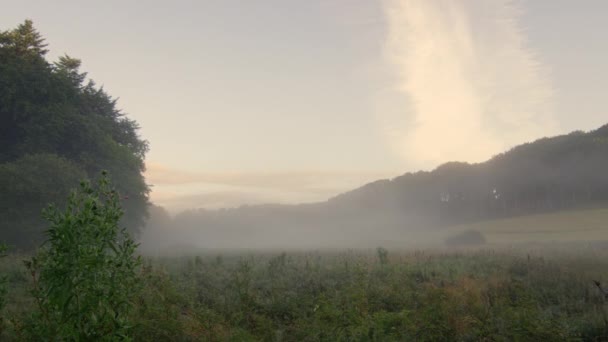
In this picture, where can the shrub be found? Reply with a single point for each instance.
(467, 238)
(3, 288)
(85, 274)
(382, 255)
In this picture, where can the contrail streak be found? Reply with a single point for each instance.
(472, 84)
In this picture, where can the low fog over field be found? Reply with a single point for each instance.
(468, 84)
(413, 210)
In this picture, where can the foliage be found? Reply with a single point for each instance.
(50, 110)
(382, 255)
(497, 295)
(485, 295)
(467, 238)
(85, 276)
(162, 312)
(3, 289)
(28, 184)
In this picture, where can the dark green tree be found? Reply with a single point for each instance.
(50, 109)
(28, 184)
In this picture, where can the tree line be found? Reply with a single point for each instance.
(550, 174)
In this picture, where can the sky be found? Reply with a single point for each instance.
(288, 101)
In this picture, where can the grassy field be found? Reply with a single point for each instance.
(533, 280)
(368, 295)
(361, 295)
(566, 226)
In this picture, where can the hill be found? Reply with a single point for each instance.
(548, 175)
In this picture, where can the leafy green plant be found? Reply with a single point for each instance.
(382, 255)
(3, 288)
(85, 275)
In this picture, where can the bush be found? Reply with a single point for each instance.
(382, 255)
(468, 238)
(3, 289)
(85, 275)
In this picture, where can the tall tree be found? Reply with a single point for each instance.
(50, 110)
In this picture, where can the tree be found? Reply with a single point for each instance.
(69, 68)
(24, 40)
(51, 109)
(27, 185)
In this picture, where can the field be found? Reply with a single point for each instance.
(404, 296)
(567, 226)
(500, 291)
(363, 296)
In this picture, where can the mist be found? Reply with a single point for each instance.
(471, 86)
(455, 203)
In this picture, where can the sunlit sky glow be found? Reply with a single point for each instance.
(296, 101)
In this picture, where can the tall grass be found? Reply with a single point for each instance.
(363, 295)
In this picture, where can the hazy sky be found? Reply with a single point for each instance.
(290, 100)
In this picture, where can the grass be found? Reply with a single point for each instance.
(356, 296)
(566, 226)
(541, 289)
(362, 295)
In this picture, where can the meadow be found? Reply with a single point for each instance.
(500, 294)
(587, 224)
(520, 288)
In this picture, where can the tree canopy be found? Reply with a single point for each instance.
(56, 126)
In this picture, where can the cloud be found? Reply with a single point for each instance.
(211, 200)
(473, 87)
(181, 189)
(289, 180)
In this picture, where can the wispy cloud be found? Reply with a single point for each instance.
(181, 189)
(175, 202)
(473, 85)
